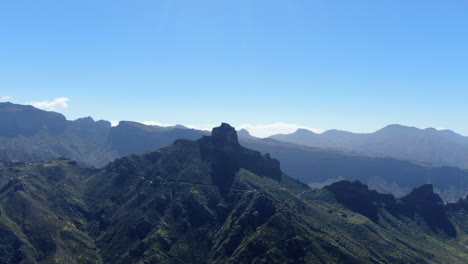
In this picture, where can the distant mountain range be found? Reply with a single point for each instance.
(33, 135)
(28, 134)
(441, 147)
(210, 201)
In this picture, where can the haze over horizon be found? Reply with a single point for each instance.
(350, 66)
(257, 130)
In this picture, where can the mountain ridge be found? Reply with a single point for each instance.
(97, 143)
(174, 205)
(442, 147)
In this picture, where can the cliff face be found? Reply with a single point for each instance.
(423, 202)
(227, 156)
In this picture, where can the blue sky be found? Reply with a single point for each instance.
(351, 65)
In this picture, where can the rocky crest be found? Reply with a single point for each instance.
(225, 136)
(425, 203)
(88, 123)
(422, 203)
(227, 156)
(357, 197)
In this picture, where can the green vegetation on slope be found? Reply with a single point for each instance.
(171, 206)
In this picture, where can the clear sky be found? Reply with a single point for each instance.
(351, 65)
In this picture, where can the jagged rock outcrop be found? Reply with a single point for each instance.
(357, 197)
(223, 150)
(88, 123)
(422, 203)
(227, 156)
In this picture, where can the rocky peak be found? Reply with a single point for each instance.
(222, 149)
(227, 156)
(426, 204)
(225, 136)
(423, 195)
(357, 197)
(88, 123)
(243, 133)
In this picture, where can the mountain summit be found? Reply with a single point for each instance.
(225, 136)
(227, 156)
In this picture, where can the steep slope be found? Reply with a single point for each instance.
(442, 147)
(206, 201)
(41, 214)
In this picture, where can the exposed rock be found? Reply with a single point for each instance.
(225, 137)
(424, 202)
(357, 197)
(227, 156)
(222, 149)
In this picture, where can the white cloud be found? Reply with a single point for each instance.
(266, 130)
(155, 123)
(6, 98)
(61, 102)
(148, 123)
(202, 127)
(114, 123)
(262, 130)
